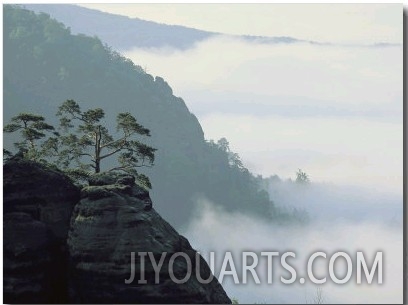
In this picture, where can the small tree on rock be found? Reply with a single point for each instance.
(86, 142)
(32, 128)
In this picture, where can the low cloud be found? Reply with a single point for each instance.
(334, 111)
(214, 230)
(235, 72)
(348, 151)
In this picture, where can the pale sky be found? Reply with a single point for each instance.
(342, 23)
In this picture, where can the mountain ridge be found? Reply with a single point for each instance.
(145, 33)
(124, 33)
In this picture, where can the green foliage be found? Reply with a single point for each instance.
(302, 177)
(143, 180)
(32, 129)
(86, 142)
(226, 168)
(83, 136)
(77, 175)
(6, 155)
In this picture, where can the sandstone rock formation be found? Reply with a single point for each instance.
(66, 246)
(109, 223)
(47, 195)
(38, 204)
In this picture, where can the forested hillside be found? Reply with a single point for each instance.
(44, 65)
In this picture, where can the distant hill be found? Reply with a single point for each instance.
(120, 32)
(123, 33)
(44, 64)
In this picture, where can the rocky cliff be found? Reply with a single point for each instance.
(38, 204)
(65, 245)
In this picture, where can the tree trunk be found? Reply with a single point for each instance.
(97, 152)
(97, 166)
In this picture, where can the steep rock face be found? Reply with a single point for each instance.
(47, 195)
(38, 204)
(114, 218)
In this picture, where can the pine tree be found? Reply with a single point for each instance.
(86, 142)
(32, 128)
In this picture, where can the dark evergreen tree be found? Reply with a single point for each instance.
(32, 129)
(302, 177)
(85, 142)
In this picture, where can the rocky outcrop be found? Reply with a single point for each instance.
(63, 245)
(109, 223)
(38, 204)
(45, 194)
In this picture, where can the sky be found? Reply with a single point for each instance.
(346, 23)
(335, 111)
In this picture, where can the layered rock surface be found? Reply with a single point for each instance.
(46, 194)
(38, 204)
(63, 246)
(109, 223)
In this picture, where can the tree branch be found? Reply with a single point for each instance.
(111, 153)
(85, 154)
(115, 141)
(143, 165)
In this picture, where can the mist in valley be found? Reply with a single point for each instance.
(334, 111)
(355, 225)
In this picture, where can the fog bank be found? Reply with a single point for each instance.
(215, 230)
(334, 111)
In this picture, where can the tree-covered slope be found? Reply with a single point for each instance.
(44, 65)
